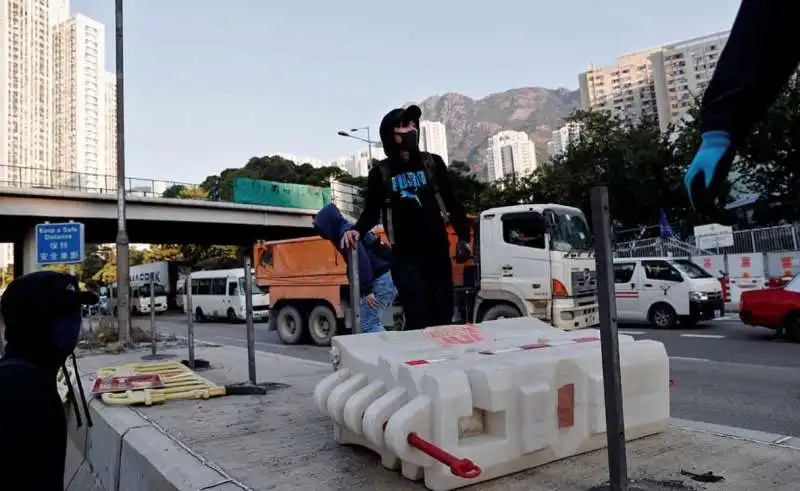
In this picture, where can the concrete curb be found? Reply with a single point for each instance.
(743, 434)
(125, 451)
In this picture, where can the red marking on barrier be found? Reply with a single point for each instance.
(454, 335)
(566, 406)
(707, 262)
(745, 261)
(414, 363)
(786, 262)
(586, 340)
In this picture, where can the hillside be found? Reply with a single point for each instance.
(535, 110)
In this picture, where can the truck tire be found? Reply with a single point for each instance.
(322, 325)
(232, 318)
(290, 325)
(199, 315)
(662, 316)
(501, 311)
(791, 327)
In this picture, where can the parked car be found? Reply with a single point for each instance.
(774, 308)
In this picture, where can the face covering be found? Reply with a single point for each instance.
(408, 141)
(66, 332)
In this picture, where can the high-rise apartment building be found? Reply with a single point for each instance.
(661, 82)
(681, 73)
(26, 89)
(360, 163)
(433, 139)
(626, 88)
(80, 105)
(510, 153)
(563, 137)
(111, 126)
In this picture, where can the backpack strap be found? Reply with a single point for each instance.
(386, 179)
(430, 174)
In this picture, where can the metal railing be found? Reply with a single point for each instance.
(657, 247)
(766, 239)
(40, 178)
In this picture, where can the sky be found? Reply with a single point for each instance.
(209, 84)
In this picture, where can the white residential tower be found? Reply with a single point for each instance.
(510, 153)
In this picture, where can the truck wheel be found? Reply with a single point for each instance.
(322, 325)
(792, 327)
(501, 311)
(199, 315)
(663, 316)
(232, 316)
(290, 325)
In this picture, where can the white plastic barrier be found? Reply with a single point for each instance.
(506, 395)
(747, 273)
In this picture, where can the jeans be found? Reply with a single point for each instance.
(383, 288)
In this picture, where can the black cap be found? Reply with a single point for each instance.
(42, 296)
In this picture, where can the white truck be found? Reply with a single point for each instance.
(530, 260)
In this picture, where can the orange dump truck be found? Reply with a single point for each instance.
(309, 290)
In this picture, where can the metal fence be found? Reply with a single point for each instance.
(41, 178)
(657, 247)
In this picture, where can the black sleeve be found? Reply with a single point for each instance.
(761, 53)
(456, 211)
(373, 203)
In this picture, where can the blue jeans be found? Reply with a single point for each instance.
(383, 288)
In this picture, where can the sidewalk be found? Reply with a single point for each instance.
(281, 442)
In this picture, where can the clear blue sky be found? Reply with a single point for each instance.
(211, 83)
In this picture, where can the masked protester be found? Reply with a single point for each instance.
(411, 194)
(760, 56)
(42, 316)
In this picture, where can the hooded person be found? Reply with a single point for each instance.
(374, 266)
(42, 313)
(760, 56)
(411, 194)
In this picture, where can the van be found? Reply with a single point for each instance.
(664, 291)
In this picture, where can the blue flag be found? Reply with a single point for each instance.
(666, 230)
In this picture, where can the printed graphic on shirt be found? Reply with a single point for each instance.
(409, 183)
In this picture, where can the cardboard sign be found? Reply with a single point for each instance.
(123, 384)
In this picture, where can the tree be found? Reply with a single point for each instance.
(186, 192)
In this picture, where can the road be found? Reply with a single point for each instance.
(724, 372)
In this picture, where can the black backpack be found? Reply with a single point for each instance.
(386, 179)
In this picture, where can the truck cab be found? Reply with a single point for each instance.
(536, 260)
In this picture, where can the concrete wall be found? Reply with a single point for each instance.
(123, 451)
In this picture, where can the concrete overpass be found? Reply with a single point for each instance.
(153, 220)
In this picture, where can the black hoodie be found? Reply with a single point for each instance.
(417, 222)
(42, 315)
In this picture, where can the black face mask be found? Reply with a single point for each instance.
(409, 141)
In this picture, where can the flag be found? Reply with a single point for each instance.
(666, 230)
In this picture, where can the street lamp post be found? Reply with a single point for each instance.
(123, 251)
(367, 140)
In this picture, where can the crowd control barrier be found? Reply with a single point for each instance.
(457, 405)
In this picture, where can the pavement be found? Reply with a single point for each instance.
(725, 373)
(280, 441)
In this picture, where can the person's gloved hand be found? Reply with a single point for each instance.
(707, 174)
(463, 251)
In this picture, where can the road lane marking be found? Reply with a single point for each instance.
(687, 358)
(703, 336)
(630, 333)
(262, 343)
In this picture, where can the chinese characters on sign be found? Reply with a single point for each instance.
(59, 243)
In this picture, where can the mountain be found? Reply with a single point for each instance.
(470, 123)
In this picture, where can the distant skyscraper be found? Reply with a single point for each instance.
(660, 82)
(80, 105)
(510, 153)
(562, 138)
(433, 139)
(111, 127)
(26, 89)
(360, 163)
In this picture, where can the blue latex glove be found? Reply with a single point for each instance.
(463, 251)
(710, 166)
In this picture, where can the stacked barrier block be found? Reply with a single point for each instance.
(508, 395)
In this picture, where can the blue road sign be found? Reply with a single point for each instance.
(59, 243)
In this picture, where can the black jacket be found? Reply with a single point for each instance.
(761, 53)
(417, 221)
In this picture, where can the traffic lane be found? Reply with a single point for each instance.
(731, 342)
(756, 397)
(236, 335)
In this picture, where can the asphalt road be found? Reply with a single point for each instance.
(724, 372)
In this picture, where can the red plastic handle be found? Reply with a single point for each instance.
(463, 468)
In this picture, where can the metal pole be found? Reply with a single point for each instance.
(248, 310)
(609, 341)
(369, 149)
(123, 251)
(190, 319)
(153, 334)
(355, 292)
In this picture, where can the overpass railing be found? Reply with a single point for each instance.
(87, 182)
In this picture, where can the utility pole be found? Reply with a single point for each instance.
(123, 245)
